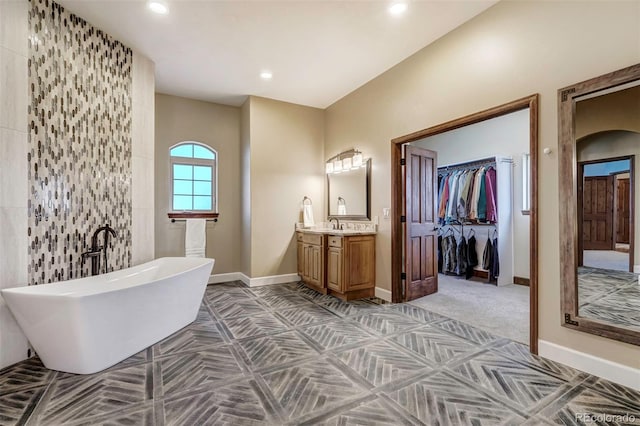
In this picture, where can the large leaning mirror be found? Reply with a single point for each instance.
(599, 196)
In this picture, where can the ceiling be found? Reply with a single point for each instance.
(318, 50)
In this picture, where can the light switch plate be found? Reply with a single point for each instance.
(386, 211)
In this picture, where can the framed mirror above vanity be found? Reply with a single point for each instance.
(349, 191)
(599, 141)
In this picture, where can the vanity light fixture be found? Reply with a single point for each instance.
(328, 167)
(345, 161)
(357, 161)
(158, 6)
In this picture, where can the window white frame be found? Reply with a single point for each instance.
(189, 161)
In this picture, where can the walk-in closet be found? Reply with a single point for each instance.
(483, 224)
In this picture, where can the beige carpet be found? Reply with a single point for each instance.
(503, 311)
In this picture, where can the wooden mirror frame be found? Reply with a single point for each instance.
(568, 204)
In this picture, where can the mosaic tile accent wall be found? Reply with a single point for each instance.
(79, 143)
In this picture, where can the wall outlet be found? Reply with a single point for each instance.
(386, 212)
(374, 220)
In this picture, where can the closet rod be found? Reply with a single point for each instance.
(490, 161)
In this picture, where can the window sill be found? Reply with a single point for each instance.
(193, 215)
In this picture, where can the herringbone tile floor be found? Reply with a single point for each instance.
(286, 355)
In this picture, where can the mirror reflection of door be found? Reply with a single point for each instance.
(605, 201)
(607, 133)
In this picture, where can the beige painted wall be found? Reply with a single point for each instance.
(245, 199)
(180, 119)
(613, 111)
(286, 163)
(514, 49)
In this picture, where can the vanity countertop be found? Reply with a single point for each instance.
(330, 231)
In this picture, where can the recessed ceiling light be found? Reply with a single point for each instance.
(398, 8)
(266, 75)
(158, 6)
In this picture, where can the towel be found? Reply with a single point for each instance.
(342, 210)
(307, 215)
(195, 238)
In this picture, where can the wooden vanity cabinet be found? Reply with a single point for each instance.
(311, 260)
(340, 265)
(351, 266)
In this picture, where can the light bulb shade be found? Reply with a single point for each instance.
(357, 160)
(329, 167)
(337, 166)
(346, 163)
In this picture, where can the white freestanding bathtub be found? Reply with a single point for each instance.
(86, 325)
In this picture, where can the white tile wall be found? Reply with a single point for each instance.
(142, 161)
(14, 26)
(13, 169)
(13, 90)
(143, 237)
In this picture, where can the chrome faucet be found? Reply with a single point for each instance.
(337, 224)
(95, 250)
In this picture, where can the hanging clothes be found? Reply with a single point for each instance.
(472, 256)
(482, 198)
(491, 195)
(449, 252)
(464, 194)
(468, 194)
(443, 199)
(494, 270)
(462, 257)
(439, 253)
(487, 255)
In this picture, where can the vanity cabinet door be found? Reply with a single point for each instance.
(316, 263)
(335, 269)
(359, 262)
(300, 252)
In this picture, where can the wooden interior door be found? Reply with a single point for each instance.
(623, 210)
(597, 216)
(420, 183)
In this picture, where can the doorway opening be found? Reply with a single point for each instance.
(606, 213)
(418, 218)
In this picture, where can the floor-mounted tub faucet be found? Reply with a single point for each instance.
(95, 250)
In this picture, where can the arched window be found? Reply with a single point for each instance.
(194, 176)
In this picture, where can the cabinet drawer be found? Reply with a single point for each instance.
(334, 241)
(299, 236)
(312, 238)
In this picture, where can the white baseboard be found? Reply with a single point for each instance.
(224, 278)
(253, 282)
(273, 279)
(636, 269)
(383, 294)
(618, 373)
